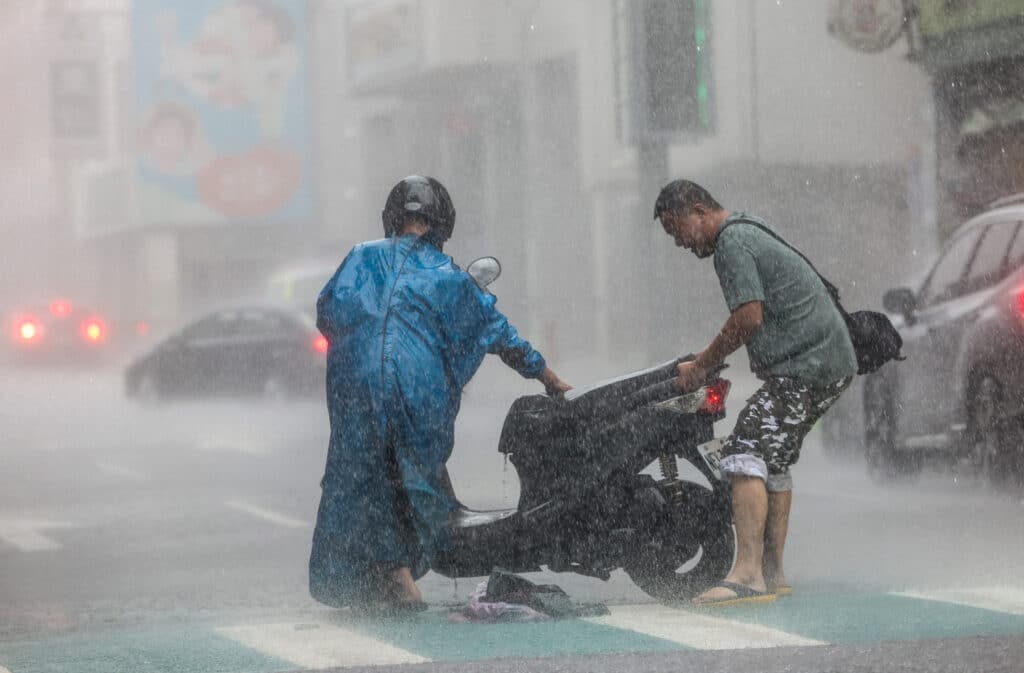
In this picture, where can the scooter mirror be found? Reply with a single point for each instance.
(484, 270)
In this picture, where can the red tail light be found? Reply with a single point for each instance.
(93, 331)
(60, 308)
(320, 344)
(142, 328)
(29, 331)
(714, 403)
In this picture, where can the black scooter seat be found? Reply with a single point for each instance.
(468, 518)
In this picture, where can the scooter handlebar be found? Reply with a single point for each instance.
(667, 389)
(654, 393)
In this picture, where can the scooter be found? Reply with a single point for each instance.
(601, 488)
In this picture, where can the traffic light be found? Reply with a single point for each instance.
(664, 85)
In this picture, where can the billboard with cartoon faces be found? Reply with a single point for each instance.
(221, 132)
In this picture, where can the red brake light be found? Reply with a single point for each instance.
(320, 344)
(29, 330)
(93, 331)
(142, 328)
(60, 308)
(714, 403)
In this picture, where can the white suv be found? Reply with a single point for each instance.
(960, 392)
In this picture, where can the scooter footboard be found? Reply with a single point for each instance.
(481, 541)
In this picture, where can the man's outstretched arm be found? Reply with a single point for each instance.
(738, 330)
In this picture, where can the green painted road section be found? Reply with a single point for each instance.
(174, 648)
(198, 648)
(859, 618)
(156, 648)
(436, 638)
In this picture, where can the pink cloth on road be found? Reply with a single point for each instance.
(478, 610)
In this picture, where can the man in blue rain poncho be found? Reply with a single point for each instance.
(407, 329)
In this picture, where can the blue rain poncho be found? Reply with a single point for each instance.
(407, 330)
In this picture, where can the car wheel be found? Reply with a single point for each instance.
(994, 449)
(148, 389)
(884, 461)
(697, 535)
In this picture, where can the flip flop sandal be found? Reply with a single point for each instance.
(744, 596)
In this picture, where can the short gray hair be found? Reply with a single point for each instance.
(682, 195)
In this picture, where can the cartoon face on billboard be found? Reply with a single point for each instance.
(222, 126)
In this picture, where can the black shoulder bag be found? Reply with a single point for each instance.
(875, 340)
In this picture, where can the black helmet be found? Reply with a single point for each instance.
(425, 197)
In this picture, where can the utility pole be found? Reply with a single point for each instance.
(668, 100)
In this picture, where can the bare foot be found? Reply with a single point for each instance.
(405, 586)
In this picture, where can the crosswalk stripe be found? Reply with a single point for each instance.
(997, 599)
(699, 631)
(318, 645)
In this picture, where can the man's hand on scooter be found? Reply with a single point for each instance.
(690, 376)
(553, 385)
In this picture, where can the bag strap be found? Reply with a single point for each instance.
(833, 291)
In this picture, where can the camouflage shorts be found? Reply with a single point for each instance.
(776, 419)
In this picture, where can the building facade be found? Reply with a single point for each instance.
(527, 111)
(518, 106)
(973, 53)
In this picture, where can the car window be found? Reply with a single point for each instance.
(213, 326)
(988, 266)
(1016, 254)
(260, 323)
(946, 279)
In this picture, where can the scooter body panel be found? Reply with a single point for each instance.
(584, 505)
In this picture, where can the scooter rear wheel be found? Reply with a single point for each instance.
(690, 549)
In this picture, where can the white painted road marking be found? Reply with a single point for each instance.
(997, 599)
(322, 647)
(266, 514)
(699, 631)
(23, 534)
(120, 470)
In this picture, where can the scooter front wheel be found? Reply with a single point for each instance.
(689, 550)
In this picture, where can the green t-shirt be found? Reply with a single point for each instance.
(803, 335)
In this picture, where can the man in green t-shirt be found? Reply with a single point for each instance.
(798, 346)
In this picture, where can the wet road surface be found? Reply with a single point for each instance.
(175, 538)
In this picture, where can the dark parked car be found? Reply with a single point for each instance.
(263, 351)
(60, 332)
(959, 396)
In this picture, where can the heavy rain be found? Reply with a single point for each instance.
(222, 452)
